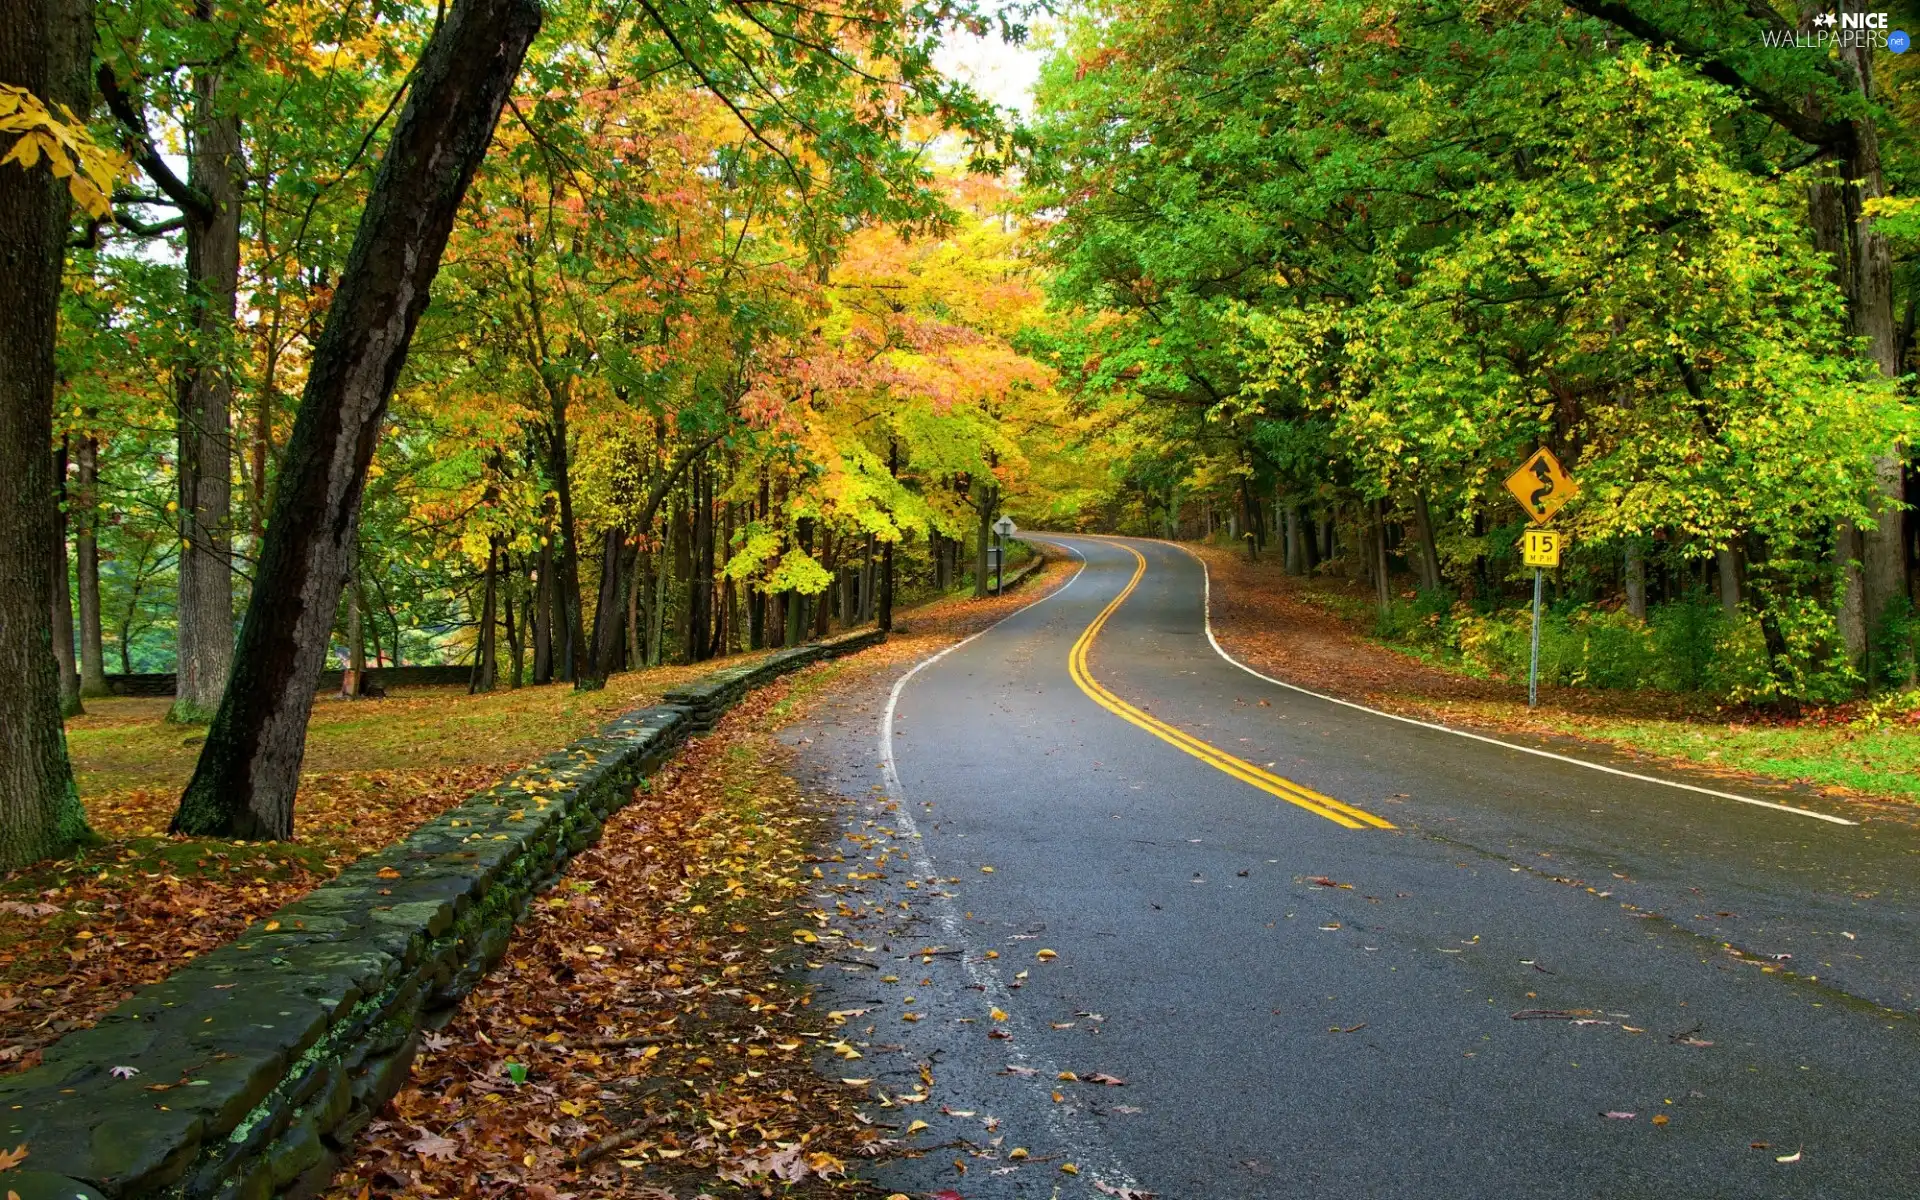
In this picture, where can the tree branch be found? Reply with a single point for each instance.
(1808, 127)
(133, 224)
(140, 142)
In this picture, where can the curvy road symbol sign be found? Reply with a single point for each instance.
(1541, 486)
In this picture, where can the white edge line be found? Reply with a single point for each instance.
(1207, 577)
(947, 913)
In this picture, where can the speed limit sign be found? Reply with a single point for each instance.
(1540, 548)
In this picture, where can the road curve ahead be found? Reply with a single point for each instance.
(1333, 953)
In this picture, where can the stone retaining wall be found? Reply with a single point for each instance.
(1031, 568)
(259, 1062)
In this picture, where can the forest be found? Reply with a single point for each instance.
(550, 339)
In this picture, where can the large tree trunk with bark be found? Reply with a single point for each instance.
(1636, 580)
(86, 549)
(205, 611)
(608, 609)
(1429, 547)
(43, 48)
(1377, 544)
(249, 767)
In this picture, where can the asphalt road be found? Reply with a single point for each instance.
(1303, 1002)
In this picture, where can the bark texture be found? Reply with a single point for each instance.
(43, 48)
(205, 613)
(249, 768)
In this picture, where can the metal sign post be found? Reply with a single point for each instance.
(1003, 528)
(1533, 664)
(1539, 549)
(1541, 486)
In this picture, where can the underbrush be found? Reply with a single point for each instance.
(1689, 646)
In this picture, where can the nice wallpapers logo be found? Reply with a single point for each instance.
(1843, 30)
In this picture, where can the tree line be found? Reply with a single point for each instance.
(1333, 270)
(713, 341)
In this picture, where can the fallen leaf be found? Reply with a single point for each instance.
(1045, 955)
(1109, 1080)
(124, 1072)
(1787, 1158)
(434, 1146)
(10, 1159)
(1659, 1118)
(1619, 1116)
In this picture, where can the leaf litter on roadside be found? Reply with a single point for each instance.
(679, 1060)
(679, 1048)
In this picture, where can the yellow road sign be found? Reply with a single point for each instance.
(1540, 548)
(1541, 486)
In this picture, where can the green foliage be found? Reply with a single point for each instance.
(1896, 644)
(1329, 253)
(1688, 646)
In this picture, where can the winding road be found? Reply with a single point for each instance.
(1332, 952)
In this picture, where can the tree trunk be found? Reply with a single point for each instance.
(44, 46)
(984, 531)
(356, 662)
(1429, 548)
(658, 611)
(205, 613)
(486, 660)
(1727, 562)
(62, 615)
(86, 547)
(823, 607)
(885, 605)
(1636, 580)
(260, 446)
(868, 565)
(1883, 575)
(636, 586)
(1296, 544)
(249, 768)
(571, 652)
(543, 615)
(1256, 522)
(509, 586)
(609, 606)
(373, 625)
(1377, 535)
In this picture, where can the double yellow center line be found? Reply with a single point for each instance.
(1339, 812)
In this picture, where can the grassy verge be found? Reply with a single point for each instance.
(1320, 633)
(79, 934)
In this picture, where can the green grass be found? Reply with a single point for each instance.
(1860, 756)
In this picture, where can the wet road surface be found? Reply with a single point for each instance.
(1329, 952)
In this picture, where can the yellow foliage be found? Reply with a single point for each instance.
(70, 153)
